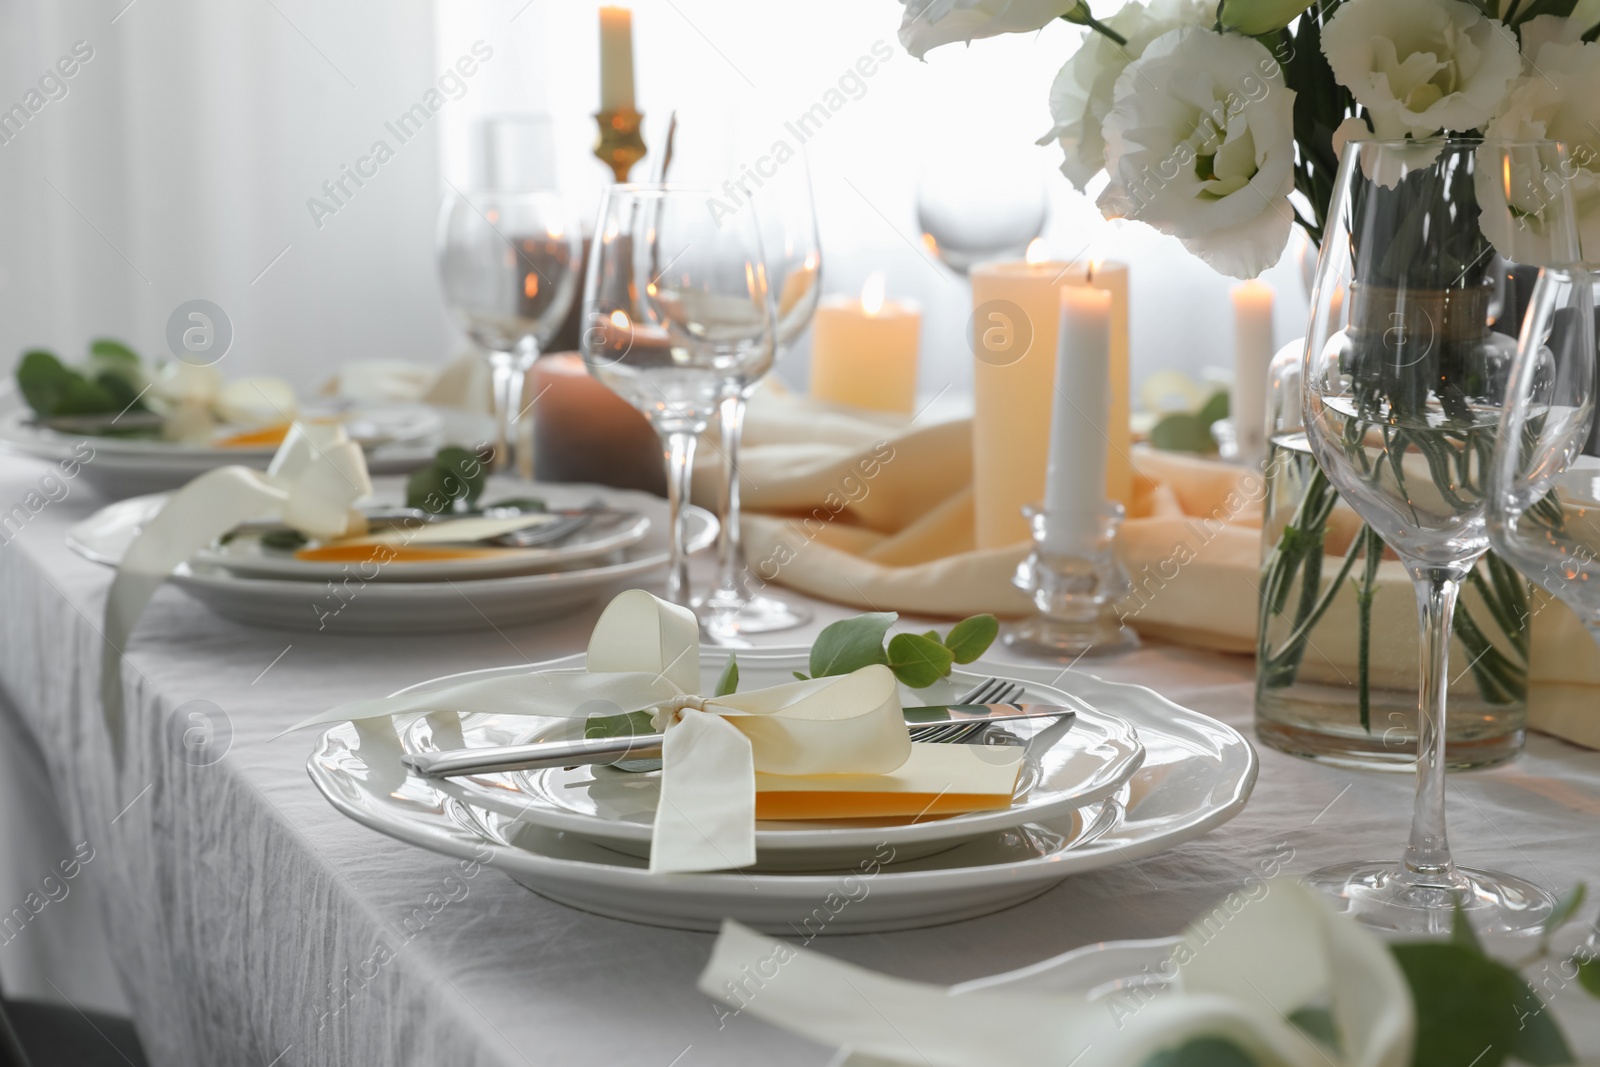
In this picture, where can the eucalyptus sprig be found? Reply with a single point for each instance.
(109, 383)
(917, 660)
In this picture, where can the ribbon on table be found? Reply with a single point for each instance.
(1237, 975)
(311, 483)
(644, 655)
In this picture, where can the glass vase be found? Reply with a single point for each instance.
(1336, 655)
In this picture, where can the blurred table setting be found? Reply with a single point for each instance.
(681, 666)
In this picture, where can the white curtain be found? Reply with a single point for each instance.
(178, 166)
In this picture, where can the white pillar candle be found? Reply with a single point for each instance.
(1075, 475)
(616, 58)
(1252, 353)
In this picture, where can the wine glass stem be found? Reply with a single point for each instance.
(1427, 859)
(730, 549)
(510, 371)
(680, 470)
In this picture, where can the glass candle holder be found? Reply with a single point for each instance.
(1075, 593)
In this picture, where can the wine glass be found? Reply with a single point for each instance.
(1544, 483)
(1403, 396)
(702, 149)
(507, 264)
(676, 304)
(981, 196)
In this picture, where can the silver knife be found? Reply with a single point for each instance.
(456, 763)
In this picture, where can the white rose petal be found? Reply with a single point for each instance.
(927, 24)
(1558, 99)
(1421, 66)
(1210, 157)
(1081, 95)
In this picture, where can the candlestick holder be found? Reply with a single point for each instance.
(1075, 592)
(620, 144)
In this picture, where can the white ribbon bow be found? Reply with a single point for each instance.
(314, 478)
(644, 654)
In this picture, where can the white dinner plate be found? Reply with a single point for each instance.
(1066, 766)
(356, 606)
(397, 439)
(246, 556)
(1197, 774)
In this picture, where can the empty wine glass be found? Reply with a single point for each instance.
(1402, 406)
(981, 196)
(1544, 484)
(702, 148)
(676, 304)
(508, 266)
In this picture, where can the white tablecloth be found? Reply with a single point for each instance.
(253, 925)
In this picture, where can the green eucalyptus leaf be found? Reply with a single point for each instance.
(850, 644)
(425, 489)
(1318, 1024)
(630, 724)
(1461, 931)
(1256, 17)
(1215, 407)
(1589, 976)
(1203, 1052)
(1566, 907)
(284, 540)
(1182, 432)
(1472, 1008)
(728, 680)
(801, 676)
(971, 637)
(918, 661)
(107, 349)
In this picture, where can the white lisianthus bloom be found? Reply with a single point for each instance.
(1081, 96)
(927, 24)
(1421, 66)
(1558, 99)
(1200, 144)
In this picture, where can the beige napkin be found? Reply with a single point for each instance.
(875, 511)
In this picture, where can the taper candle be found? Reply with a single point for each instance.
(1075, 477)
(616, 58)
(1252, 352)
(1016, 310)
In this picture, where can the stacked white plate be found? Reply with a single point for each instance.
(397, 439)
(1133, 775)
(240, 580)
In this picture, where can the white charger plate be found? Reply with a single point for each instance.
(403, 437)
(1197, 775)
(354, 606)
(1064, 768)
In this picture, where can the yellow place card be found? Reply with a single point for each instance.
(935, 780)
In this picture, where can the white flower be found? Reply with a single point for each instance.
(928, 24)
(1558, 99)
(1081, 96)
(1421, 66)
(1200, 144)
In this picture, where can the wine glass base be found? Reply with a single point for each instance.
(1386, 897)
(726, 618)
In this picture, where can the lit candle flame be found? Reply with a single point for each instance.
(530, 285)
(872, 294)
(556, 230)
(619, 319)
(1036, 252)
(1505, 168)
(931, 243)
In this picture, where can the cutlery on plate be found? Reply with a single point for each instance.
(126, 422)
(562, 523)
(604, 750)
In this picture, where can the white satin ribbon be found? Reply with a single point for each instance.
(314, 478)
(644, 654)
(1240, 972)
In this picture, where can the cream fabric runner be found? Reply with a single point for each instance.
(875, 511)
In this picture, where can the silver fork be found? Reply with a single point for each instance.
(988, 691)
(551, 532)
